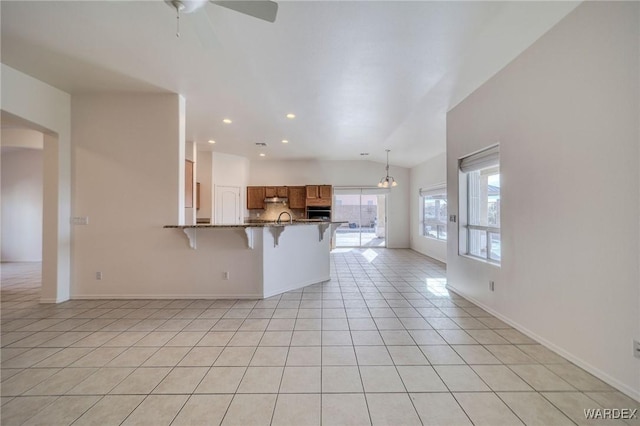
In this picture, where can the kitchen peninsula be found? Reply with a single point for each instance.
(275, 257)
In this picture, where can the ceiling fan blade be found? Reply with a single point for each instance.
(262, 9)
(204, 30)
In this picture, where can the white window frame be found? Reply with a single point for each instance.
(424, 193)
(481, 160)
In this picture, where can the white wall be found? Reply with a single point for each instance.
(22, 182)
(218, 169)
(127, 159)
(48, 110)
(16, 137)
(128, 149)
(21, 204)
(230, 170)
(431, 172)
(343, 173)
(566, 115)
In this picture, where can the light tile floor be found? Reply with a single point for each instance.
(383, 342)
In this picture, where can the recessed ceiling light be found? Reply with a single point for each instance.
(227, 121)
(262, 154)
(212, 141)
(291, 116)
(285, 141)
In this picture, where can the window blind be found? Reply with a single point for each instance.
(345, 190)
(489, 157)
(440, 189)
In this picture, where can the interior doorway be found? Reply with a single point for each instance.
(21, 156)
(364, 211)
(35, 105)
(227, 205)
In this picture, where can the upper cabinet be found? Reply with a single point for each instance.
(325, 191)
(297, 197)
(319, 191)
(269, 191)
(319, 195)
(255, 197)
(312, 192)
(275, 191)
(188, 184)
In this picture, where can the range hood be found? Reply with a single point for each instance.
(276, 200)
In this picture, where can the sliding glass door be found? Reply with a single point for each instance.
(364, 211)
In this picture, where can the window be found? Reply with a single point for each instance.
(434, 212)
(480, 191)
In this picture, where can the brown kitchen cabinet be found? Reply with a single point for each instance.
(188, 184)
(270, 191)
(319, 195)
(312, 192)
(275, 191)
(325, 191)
(197, 195)
(255, 197)
(297, 197)
(319, 202)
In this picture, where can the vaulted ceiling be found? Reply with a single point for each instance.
(360, 76)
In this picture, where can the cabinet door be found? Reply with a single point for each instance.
(270, 191)
(312, 191)
(188, 184)
(197, 195)
(297, 197)
(255, 197)
(325, 191)
(281, 191)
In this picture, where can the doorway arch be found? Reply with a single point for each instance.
(38, 106)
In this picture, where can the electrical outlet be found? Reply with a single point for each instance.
(636, 348)
(492, 285)
(225, 275)
(80, 220)
(98, 275)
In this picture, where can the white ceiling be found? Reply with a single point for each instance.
(361, 76)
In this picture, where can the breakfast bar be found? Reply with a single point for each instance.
(282, 256)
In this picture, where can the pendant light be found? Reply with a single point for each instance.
(387, 181)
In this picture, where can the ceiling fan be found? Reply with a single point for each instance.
(261, 9)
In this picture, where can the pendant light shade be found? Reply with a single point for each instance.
(387, 181)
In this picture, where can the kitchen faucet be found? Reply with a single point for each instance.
(279, 220)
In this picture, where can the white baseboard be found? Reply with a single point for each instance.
(428, 254)
(632, 393)
(165, 296)
(295, 287)
(52, 300)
